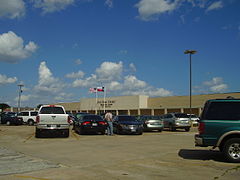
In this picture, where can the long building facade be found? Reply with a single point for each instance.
(143, 105)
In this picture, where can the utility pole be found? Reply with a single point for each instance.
(19, 96)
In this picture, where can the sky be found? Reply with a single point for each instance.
(58, 49)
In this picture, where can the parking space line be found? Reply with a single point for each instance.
(30, 177)
(74, 135)
(28, 138)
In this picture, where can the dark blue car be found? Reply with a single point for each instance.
(125, 124)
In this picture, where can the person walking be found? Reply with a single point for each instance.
(108, 117)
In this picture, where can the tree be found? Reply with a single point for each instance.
(3, 106)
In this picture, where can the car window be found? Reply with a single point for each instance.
(92, 117)
(23, 114)
(127, 118)
(222, 111)
(34, 113)
(181, 115)
(52, 110)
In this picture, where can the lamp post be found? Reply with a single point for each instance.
(19, 95)
(190, 52)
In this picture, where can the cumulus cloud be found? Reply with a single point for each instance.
(47, 83)
(109, 3)
(215, 85)
(132, 67)
(109, 71)
(110, 75)
(12, 9)
(49, 6)
(79, 74)
(78, 61)
(151, 9)
(215, 6)
(12, 48)
(7, 80)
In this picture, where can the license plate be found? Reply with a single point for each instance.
(54, 126)
(94, 124)
(133, 130)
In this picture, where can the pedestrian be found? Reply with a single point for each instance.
(108, 117)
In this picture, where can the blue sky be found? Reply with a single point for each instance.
(60, 48)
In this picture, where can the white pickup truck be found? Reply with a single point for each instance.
(52, 118)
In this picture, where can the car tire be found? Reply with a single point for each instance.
(231, 150)
(38, 133)
(30, 122)
(187, 129)
(172, 128)
(8, 123)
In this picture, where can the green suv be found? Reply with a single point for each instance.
(219, 126)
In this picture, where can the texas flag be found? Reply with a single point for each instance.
(101, 89)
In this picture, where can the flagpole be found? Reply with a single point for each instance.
(104, 98)
(96, 100)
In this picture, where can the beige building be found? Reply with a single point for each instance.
(143, 105)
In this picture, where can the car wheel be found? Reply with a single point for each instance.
(231, 150)
(172, 128)
(66, 133)
(8, 123)
(187, 129)
(38, 133)
(30, 122)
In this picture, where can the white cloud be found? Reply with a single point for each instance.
(215, 85)
(131, 82)
(132, 67)
(12, 8)
(48, 84)
(12, 48)
(151, 9)
(88, 82)
(215, 6)
(109, 3)
(78, 61)
(49, 6)
(109, 71)
(7, 80)
(78, 74)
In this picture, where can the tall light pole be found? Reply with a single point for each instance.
(19, 95)
(190, 52)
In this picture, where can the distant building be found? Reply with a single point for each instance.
(143, 105)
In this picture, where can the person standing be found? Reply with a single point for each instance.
(108, 117)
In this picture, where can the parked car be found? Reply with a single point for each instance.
(151, 123)
(10, 118)
(90, 123)
(77, 116)
(52, 118)
(194, 119)
(29, 117)
(175, 121)
(125, 124)
(219, 126)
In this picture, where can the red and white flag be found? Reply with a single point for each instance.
(101, 89)
(93, 90)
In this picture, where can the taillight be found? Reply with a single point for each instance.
(38, 119)
(69, 120)
(201, 128)
(85, 123)
(102, 123)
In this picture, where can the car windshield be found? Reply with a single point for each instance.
(181, 115)
(192, 115)
(11, 114)
(52, 110)
(92, 117)
(222, 111)
(127, 118)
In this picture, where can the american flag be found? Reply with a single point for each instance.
(93, 90)
(100, 89)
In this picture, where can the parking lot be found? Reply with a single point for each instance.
(153, 155)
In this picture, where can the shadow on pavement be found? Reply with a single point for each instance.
(204, 155)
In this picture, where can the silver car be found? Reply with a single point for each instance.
(175, 121)
(194, 119)
(151, 123)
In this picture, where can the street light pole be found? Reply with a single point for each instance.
(190, 52)
(19, 95)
